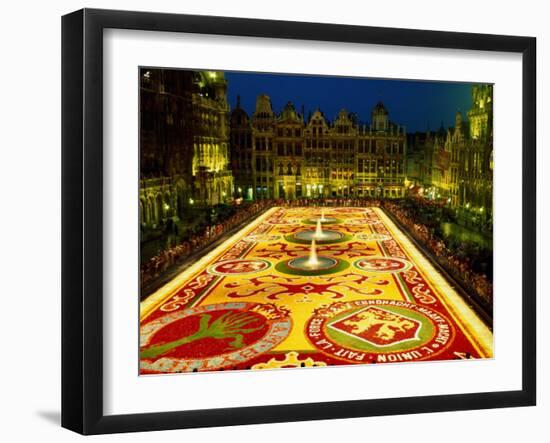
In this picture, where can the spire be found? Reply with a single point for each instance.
(458, 120)
(238, 101)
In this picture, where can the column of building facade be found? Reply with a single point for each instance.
(263, 127)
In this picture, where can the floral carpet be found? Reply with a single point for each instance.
(257, 302)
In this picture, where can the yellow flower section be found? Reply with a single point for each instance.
(478, 333)
(302, 295)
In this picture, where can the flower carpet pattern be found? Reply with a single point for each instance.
(245, 305)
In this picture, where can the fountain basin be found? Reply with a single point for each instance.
(327, 237)
(324, 221)
(299, 266)
(303, 263)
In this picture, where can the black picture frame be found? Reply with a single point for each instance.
(82, 220)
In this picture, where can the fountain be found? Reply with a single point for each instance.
(319, 235)
(312, 262)
(318, 231)
(323, 219)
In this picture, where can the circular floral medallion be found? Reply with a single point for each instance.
(238, 266)
(380, 331)
(211, 337)
(382, 264)
(282, 221)
(373, 237)
(363, 222)
(256, 238)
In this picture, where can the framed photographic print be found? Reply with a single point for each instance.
(269, 221)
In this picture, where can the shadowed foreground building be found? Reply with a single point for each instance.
(184, 142)
(285, 156)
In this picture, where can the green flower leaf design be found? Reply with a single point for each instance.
(228, 325)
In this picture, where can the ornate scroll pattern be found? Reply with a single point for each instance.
(188, 292)
(391, 246)
(420, 290)
(238, 250)
(393, 249)
(291, 360)
(280, 250)
(273, 287)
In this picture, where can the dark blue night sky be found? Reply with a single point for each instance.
(415, 104)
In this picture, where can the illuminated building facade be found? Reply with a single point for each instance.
(283, 156)
(457, 164)
(184, 143)
(474, 189)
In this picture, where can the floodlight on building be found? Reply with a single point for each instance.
(191, 201)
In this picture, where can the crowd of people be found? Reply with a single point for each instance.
(166, 258)
(466, 262)
(328, 202)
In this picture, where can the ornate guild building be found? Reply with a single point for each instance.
(285, 156)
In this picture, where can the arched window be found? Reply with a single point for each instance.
(159, 208)
(142, 211)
